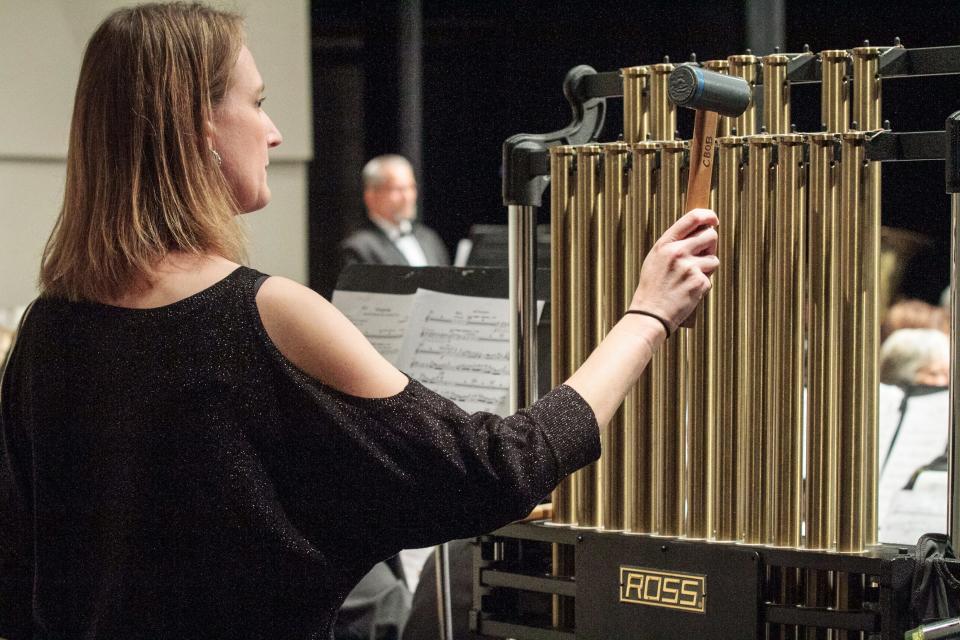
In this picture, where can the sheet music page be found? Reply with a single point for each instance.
(459, 346)
(381, 317)
(923, 436)
(919, 510)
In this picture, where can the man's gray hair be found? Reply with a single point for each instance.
(372, 174)
(906, 351)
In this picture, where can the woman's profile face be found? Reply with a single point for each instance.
(242, 134)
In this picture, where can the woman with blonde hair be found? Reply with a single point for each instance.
(194, 449)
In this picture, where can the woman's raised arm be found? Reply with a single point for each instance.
(317, 338)
(675, 276)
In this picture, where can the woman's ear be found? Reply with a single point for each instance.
(209, 135)
(209, 131)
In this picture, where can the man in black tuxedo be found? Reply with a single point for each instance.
(392, 235)
(378, 607)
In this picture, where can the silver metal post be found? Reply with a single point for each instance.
(523, 319)
(523, 360)
(522, 221)
(444, 608)
(953, 508)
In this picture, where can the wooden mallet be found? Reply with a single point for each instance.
(711, 94)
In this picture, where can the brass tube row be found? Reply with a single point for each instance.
(709, 443)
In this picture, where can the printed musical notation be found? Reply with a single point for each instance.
(381, 317)
(458, 346)
(441, 365)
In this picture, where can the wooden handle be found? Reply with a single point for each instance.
(540, 512)
(701, 160)
(701, 170)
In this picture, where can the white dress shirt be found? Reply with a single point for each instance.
(403, 239)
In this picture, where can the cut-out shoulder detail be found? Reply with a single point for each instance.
(306, 485)
(319, 340)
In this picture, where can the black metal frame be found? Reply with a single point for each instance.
(513, 585)
(526, 159)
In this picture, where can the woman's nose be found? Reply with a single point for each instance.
(274, 138)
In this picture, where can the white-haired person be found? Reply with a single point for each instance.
(915, 357)
(193, 449)
(392, 234)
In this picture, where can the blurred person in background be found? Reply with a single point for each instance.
(196, 449)
(392, 234)
(914, 314)
(915, 357)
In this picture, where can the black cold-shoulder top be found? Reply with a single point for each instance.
(167, 473)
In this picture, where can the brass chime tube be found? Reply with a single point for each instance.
(745, 66)
(669, 379)
(725, 123)
(853, 446)
(561, 201)
(636, 105)
(835, 90)
(701, 426)
(852, 438)
(663, 113)
(702, 397)
(776, 94)
(785, 340)
(561, 204)
(638, 237)
(866, 111)
(866, 88)
(582, 296)
(727, 295)
(609, 272)
(752, 417)
(824, 370)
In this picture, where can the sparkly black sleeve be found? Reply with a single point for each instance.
(364, 477)
(414, 469)
(451, 474)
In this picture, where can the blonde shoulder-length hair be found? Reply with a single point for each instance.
(141, 178)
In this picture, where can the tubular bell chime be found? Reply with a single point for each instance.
(750, 443)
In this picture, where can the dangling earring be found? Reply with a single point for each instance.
(217, 156)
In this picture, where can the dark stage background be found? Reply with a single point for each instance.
(446, 82)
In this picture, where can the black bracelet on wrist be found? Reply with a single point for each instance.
(666, 327)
